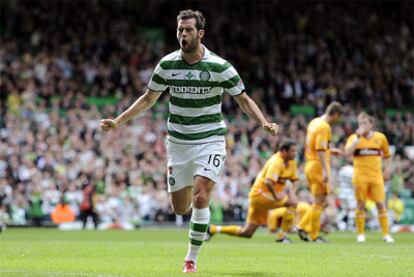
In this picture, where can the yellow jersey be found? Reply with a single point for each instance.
(318, 137)
(368, 154)
(278, 172)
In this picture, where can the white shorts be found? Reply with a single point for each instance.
(185, 161)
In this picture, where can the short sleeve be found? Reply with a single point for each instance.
(322, 139)
(350, 141)
(158, 82)
(274, 171)
(385, 147)
(232, 83)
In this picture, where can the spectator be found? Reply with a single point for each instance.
(58, 76)
(35, 208)
(87, 207)
(62, 212)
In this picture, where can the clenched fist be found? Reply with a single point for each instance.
(108, 124)
(271, 128)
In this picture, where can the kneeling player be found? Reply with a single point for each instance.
(268, 192)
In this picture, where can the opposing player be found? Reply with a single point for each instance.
(317, 168)
(368, 148)
(196, 79)
(269, 192)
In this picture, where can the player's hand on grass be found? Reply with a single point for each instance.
(271, 128)
(108, 124)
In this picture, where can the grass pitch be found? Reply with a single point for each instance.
(49, 252)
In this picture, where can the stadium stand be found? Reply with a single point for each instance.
(60, 74)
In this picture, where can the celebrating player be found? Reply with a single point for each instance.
(269, 192)
(196, 79)
(368, 147)
(317, 168)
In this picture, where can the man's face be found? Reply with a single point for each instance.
(336, 117)
(291, 153)
(365, 124)
(187, 35)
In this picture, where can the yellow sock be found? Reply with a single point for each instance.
(360, 221)
(306, 219)
(316, 221)
(232, 230)
(383, 220)
(288, 219)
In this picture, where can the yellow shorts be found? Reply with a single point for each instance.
(313, 172)
(369, 188)
(259, 205)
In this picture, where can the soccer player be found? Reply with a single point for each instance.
(196, 79)
(269, 192)
(368, 148)
(317, 168)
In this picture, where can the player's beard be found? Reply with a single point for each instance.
(188, 46)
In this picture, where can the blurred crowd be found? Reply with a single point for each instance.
(55, 68)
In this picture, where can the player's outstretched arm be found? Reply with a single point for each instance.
(336, 151)
(142, 104)
(250, 108)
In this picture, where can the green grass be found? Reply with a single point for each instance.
(49, 252)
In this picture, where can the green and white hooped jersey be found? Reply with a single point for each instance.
(196, 95)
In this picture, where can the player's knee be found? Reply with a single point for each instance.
(320, 202)
(291, 203)
(200, 200)
(249, 235)
(361, 205)
(380, 205)
(246, 234)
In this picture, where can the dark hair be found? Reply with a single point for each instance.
(286, 145)
(334, 107)
(197, 15)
